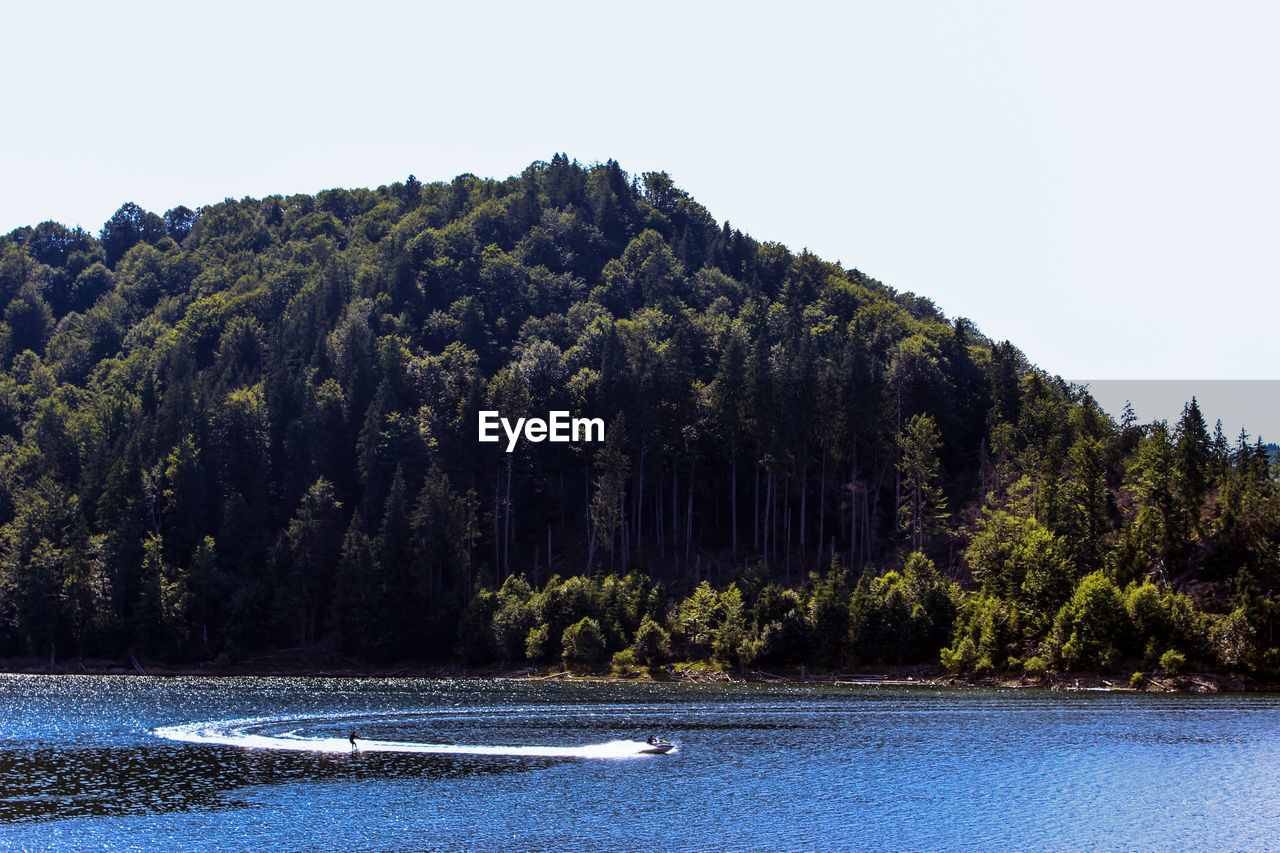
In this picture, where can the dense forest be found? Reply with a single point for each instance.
(253, 427)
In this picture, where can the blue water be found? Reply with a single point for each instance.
(134, 763)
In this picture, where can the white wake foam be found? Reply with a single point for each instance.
(242, 733)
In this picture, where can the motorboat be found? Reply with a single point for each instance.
(657, 747)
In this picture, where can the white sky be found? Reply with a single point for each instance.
(1097, 182)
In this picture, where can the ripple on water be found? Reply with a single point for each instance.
(759, 767)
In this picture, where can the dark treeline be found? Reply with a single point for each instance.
(253, 426)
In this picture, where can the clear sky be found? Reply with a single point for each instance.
(1097, 182)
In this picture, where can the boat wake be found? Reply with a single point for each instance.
(263, 733)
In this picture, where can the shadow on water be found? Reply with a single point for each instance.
(45, 783)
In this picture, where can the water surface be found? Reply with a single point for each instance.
(135, 763)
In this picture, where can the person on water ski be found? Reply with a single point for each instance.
(352, 738)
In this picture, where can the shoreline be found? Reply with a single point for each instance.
(933, 676)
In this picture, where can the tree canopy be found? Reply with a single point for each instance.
(252, 426)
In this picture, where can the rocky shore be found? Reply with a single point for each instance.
(329, 666)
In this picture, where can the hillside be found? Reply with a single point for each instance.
(254, 426)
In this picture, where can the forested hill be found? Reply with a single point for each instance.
(253, 426)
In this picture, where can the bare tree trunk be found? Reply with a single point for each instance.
(675, 512)
(897, 468)
(866, 530)
(897, 490)
(688, 518)
(768, 496)
(506, 526)
(497, 517)
(853, 515)
(591, 550)
(640, 499)
(613, 530)
(786, 527)
(822, 504)
(804, 494)
(733, 500)
(875, 509)
(773, 533)
(786, 523)
(657, 516)
(755, 513)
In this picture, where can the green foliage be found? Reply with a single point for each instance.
(1154, 532)
(475, 629)
(624, 661)
(922, 501)
(731, 627)
(710, 623)
(1017, 558)
(1236, 641)
(1093, 628)
(28, 322)
(780, 628)
(652, 643)
(987, 637)
(314, 548)
(829, 617)
(1165, 621)
(164, 598)
(252, 426)
(513, 618)
(903, 617)
(538, 644)
(583, 642)
(558, 606)
(1173, 662)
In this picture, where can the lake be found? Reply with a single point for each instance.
(153, 763)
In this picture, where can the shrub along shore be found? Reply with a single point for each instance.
(906, 626)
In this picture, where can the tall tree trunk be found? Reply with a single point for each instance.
(804, 494)
(764, 521)
(675, 512)
(755, 512)
(786, 525)
(853, 516)
(640, 500)
(688, 518)
(497, 521)
(868, 507)
(506, 526)
(875, 510)
(591, 550)
(786, 528)
(822, 504)
(773, 533)
(733, 499)
(658, 526)
(897, 468)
